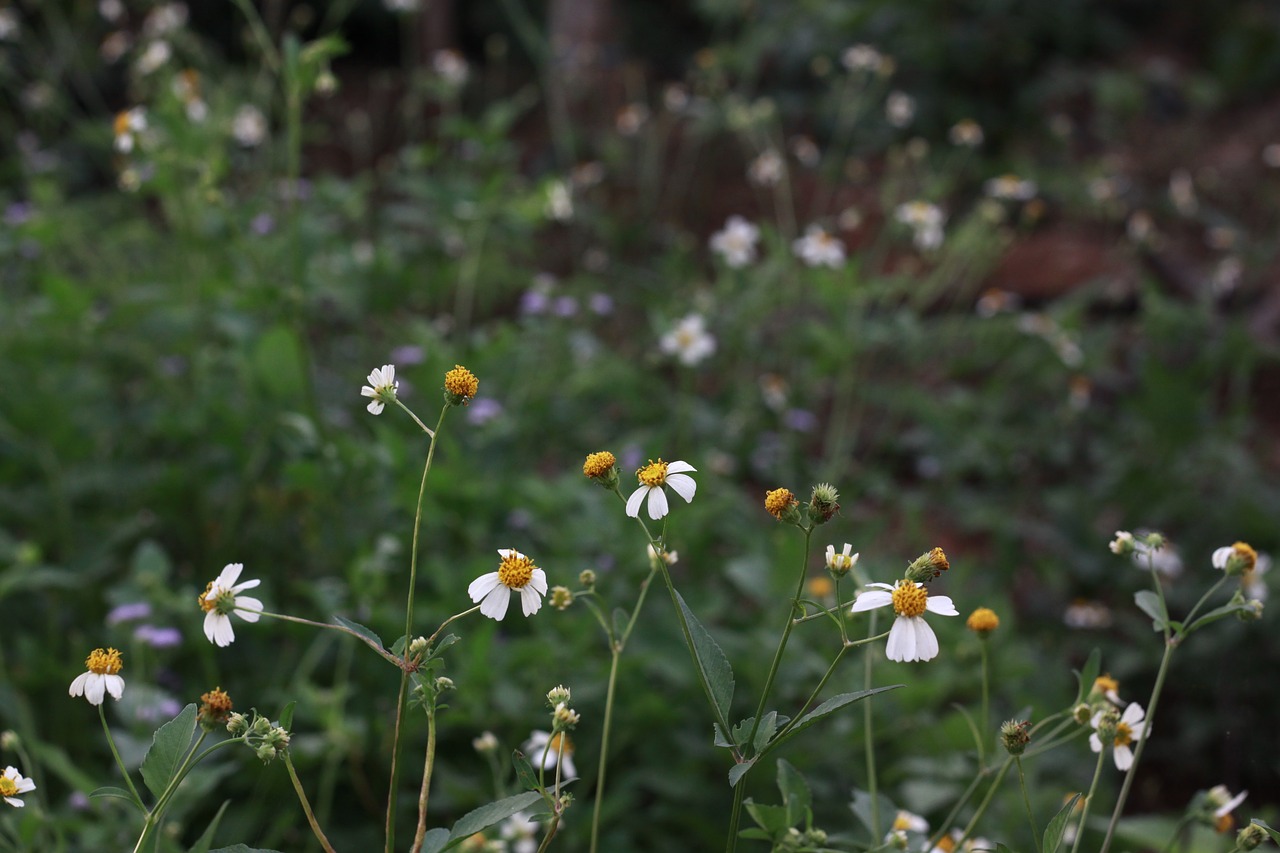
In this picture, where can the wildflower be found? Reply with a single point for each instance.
(983, 621)
(1106, 686)
(564, 717)
(215, 708)
(602, 467)
(966, 133)
(1251, 837)
(249, 126)
(558, 694)
(155, 56)
(668, 557)
(483, 410)
(781, 504)
(817, 248)
(559, 204)
(1010, 187)
(221, 598)
(806, 151)
(450, 66)
(516, 571)
(910, 638)
(1235, 560)
(102, 678)
(861, 57)
(128, 612)
(127, 126)
(1219, 798)
(820, 587)
(587, 577)
(1015, 735)
(546, 750)
(561, 597)
(652, 478)
(382, 387)
(925, 221)
(158, 636)
(994, 301)
(766, 169)
(1128, 729)
(13, 783)
(842, 563)
(1182, 192)
(487, 742)
(631, 118)
(929, 565)
(899, 109)
(736, 242)
(824, 503)
(1086, 614)
(689, 341)
(460, 385)
(520, 833)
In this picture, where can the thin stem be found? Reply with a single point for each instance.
(955, 810)
(1177, 833)
(868, 735)
(986, 801)
(408, 629)
(1026, 799)
(1186, 623)
(986, 712)
(1088, 801)
(332, 627)
(425, 792)
(306, 805)
(604, 749)
(454, 618)
(111, 742)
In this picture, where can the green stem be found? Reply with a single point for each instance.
(425, 792)
(868, 736)
(1026, 800)
(306, 805)
(1186, 623)
(399, 662)
(1177, 833)
(111, 742)
(986, 801)
(986, 711)
(1088, 801)
(162, 802)
(408, 630)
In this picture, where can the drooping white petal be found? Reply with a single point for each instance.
(926, 640)
(95, 689)
(210, 622)
(657, 503)
(871, 599)
(495, 603)
(683, 485)
(679, 467)
(482, 586)
(530, 600)
(115, 685)
(375, 407)
(1095, 742)
(78, 685)
(1220, 557)
(223, 634)
(941, 604)
(539, 581)
(248, 609)
(902, 641)
(633, 502)
(1124, 757)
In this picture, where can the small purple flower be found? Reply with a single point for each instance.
(165, 709)
(534, 302)
(631, 458)
(128, 612)
(800, 420)
(408, 354)
(158, 637)
(17, 213)
(601, 303)
(482, 410)
(565, 306)
(263, 224)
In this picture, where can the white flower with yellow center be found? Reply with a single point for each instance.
(13, 783)
(515, 572)
(382, 387)
(904, 822)
(652, 478)
(842, 562)
(221, 598)
(817, 248)
(910, 638)
(544, 750)
(102, 677)
(1130, 729)
(689, 341)
(736, 242)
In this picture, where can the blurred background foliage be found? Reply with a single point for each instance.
(186, 324)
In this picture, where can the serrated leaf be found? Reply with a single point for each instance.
(740, 731)
(718, 737)
(1089, 674)
(113, 793)
(795, 792)
(206, 838)
(1149, 603)
(772, 819)
(1057, 826)
(168, 748)
(524, 771)
(737, 771)
(712, 666)
(835, 703)
(356, 628)
(486, 816)
(435, 840)
(286, 716)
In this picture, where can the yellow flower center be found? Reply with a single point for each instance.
(902, 821)
(515, 571)
(653, 474)
(821, 586)
(206, 603)
(1225, 824)
(121, 124)
(599, 464)
(461, 382)
(909, 599)
(8, 787)
(104, 663)
(217, 704)
(946, 845)
(1105, 684)
(779, 501)
(983, 620)
(1244, 552)
(554, 745)
(1124, 734)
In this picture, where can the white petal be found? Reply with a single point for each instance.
(482, 586)
(95, 688)
(871, 600)
(210, 622)
(1124, 757)
(248, 609)
(375, 407)
(657, 504)
(1132, 714)
(15, 802)
(926, 640)
(683, 485)
(115, 685)
(495, 603)
(567, 770)
(223, 634)
(509, 553)
(902, 641)
(941, 604)
(633, 502)
(887, 586)
(530, 601)
(77, 686)
(1221, 556)
(227, 577)
(1095, 742)
(679, 467)
(246, 585)
(539, 581)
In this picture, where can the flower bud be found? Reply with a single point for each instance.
(561, 597)
(841, 563)
(558, 695)
(1252, 611)
(444, 683)
(1123, 545)
(587, 578)
(487, 742)
(824, 503)
(1251, 837)
(237, 724)
(1105, 725)
(266, 754)
(418, 646)
(1015, 735)
(983, 621)
(928, 566)
(563, 718)
(602, 467)
(1082, 714)
(782, 505)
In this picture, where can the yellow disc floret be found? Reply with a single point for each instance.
(1105, 684)
(1244, 552)
(104, 662)
(207, 603)
(560, 745)
(653, 474)
(515, 570)
(779, 501)
(1124, 734)
(983, 621)
(461, 382)
(599, 464)
(8, 787)
(215, 706)
(909, 599)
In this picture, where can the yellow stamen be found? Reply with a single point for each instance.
(779, 501)
(8, 787)
(206, 603)
(1244, 551)
(909, 599)
(653, 474)
(983, 620)
(821, 586)
(216, 705)
(554, 748)
(121, 125)
(104, 662)
(515, 571)
(461, 382)
(599, 464)
(1124, 734)
(1105, 684)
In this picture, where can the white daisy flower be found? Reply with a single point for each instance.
(842, 562)
(817, 248)
(382, 387)
(516, 571)
(1220, 797)
(221, 598)
(689, 341)
(766, 169)
(249, 126)
(127, 126)
(904, 822)
(1237, 559)
(1010, 188)
(736, 242)
(13, 783)
(102, 677)
(910, 638)
(1130, 729)
(652, 478)
(544, 750)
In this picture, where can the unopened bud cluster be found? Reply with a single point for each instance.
(928, 566)
(1015, 735)
(824, 503)
(267, 740)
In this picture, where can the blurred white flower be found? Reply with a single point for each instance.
(736, 242)
(111, 10)
(861, 57)
(516, 572)
(899, 109)
(1129, 730)
(559, 204)
(806, 150)
(249, 126)
(689, 341)
(925, 220)
(545, 751)
(164, 19)
(910, 638)
(631, 118)
(1182, 192)
(402, 5)
(817, 248)
(1010, 188)
(382, 387)
(966, 133)
(520, 833)
(1087, 614)
(653, 477)
(451, 66)
(127, 126)
(766, 169)
(156, 55)
(103, 677)
(9, 30)
(221, 598)
(13, 783)
(1271, 155)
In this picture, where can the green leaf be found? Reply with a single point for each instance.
(973, 728)
(718, 737)
(737, 771)
(486, 816)
(772, 819)
(861, 806)
(739, 732)
(1057, 826)
(168, 748)
(435, 840)
(1214, 615)
(1275, 836)
(1089, 674)
(206, 838)
(443, 643)
(1149, 603)
(795, 792)
(712, 666)
(524, 771)
(835, 703)
(115, 794)
(357, 628)
(768, 726)
(286, 716)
